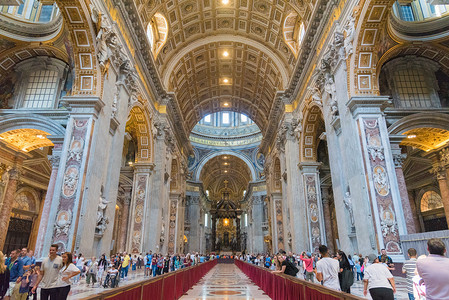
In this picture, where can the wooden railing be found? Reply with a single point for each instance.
(284, 287)
(170, 286)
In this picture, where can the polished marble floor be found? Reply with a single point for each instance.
(225, 282)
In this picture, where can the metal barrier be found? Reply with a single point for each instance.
(285, 287)
(170, 286)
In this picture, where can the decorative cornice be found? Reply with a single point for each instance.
(83, 105)
(371, 104)
(29, 31)
(131, 16)
(309, 46)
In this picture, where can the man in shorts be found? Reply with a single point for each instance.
(48, 276)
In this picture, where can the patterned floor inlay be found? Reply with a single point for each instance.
(225, 282)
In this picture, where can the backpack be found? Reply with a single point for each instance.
(295, 269)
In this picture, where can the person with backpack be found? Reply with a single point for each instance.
(286, 266)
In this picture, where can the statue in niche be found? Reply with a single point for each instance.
(330, 88)
(349, 38)
(102, 219)
(316, 95)
(106, 41)
(348, 204)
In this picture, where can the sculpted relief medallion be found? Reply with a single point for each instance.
(381, 180)
(70, 181)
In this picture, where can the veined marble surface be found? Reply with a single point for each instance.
(223, 282)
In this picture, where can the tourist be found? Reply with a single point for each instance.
(327, 269)
(30, 254)
(166, 267)
(388, 259)
(419, 288)
(102, 266)
(4, 276)
(409, 268)
(307, 260)
(434, 270)
(67, 271)
(147, 260)
(378, 280)
(48, 276)
(80, 265)
(346, 275)
(15, 266)
(160, 264)
(286, 266)
(92, 270)
(154, 264)
(140, 261)
(358, 269)
(125, 266)
(33, 280)
(24, 288)
(134, 260)
(26, 260)
(276, 264)
(291, 258)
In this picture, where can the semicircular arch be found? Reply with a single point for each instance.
(138, 123)
(210, 156)
(33, 121)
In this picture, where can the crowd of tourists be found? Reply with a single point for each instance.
(21, 276)
(427, 276)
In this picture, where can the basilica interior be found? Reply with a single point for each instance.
(223, 126)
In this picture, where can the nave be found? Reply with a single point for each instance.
(225, 281)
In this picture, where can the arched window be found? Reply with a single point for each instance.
(157, 32)
(294, 32)
(42, 79)
(431, 200)
(32, 11)
(420, 10)
(411, 81)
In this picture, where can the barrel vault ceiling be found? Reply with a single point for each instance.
(193, 64)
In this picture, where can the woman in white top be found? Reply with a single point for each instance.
(67, 271)
(378, 280)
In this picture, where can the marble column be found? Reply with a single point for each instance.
(44, 219)
(195, 230)
(383, 189)
(411, 217)
(214, 232)
(327, 218)
(295, 226)
(312, 204)
(124, 221)
(5, 212)
(257, 238)
(442, 176)
(139, 202)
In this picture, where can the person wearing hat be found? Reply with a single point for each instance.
(378, 280)
(308, 265)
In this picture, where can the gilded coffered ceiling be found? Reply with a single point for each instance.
(26, 139)
(225, 171)
(193, 63)
(426, 139)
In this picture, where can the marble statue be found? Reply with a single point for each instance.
(102, 219)
(348, 203)
(349, 30)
